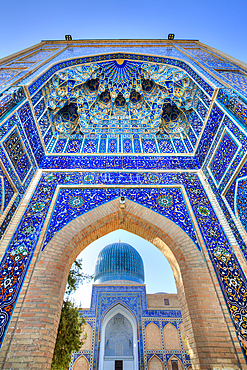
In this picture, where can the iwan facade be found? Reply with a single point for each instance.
(144, 135)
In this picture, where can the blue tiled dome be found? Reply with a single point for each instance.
(119, 261)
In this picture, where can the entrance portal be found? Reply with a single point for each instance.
(194, 280)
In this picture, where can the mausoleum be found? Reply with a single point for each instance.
(148, 136)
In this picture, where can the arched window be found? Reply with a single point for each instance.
(155, 364)
(153, 337)
(171, 337)
(175, 364)
(81, 364)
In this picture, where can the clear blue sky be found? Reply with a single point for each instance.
(158, 273)
(218, 23)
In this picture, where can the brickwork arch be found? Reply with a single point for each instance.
(44, 291)
(155, 364)
(81, 364)
(171, 337)
(153, 337)
(175, 366)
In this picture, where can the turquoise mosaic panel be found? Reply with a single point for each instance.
(127, 146)
(149, 146)
(112, 146)
(60, 145)
(165, 146)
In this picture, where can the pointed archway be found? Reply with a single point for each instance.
(42, 304)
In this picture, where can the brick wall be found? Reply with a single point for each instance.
(157, 301)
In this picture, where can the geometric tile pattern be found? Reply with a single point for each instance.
(31, 131)
(241, 201)
(234, 104)
(6, 192)
(223, 157)
(17, 154)
(236, 79)
(212, 125)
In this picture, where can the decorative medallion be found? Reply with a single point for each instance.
(45, 189)
(29, 230)
(195, 191)
(212, 233)
(222, 254)
(76, 201)
(203, 210)
(19, 252)
(38, 207)
(50, 177)
(89, 178)
(153, 178)
(165, 201)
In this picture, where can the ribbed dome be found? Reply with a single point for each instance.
(119, 261)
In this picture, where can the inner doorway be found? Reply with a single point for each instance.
(119, 365)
